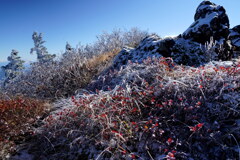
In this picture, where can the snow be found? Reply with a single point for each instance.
(147, 48)
(221, 63)
(170, 36)
(208, 7)
(200, 22)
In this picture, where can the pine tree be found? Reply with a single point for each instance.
(41, 51)
(13, 68)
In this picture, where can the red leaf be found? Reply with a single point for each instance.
(133, 156)
(198, 103)
(200, 125)
(103, 115)
(134, 123)
(170, 140)
(174, 151)
(134, 109)
(114, 131)
(124, 152)
(194, 129)
(170, 154)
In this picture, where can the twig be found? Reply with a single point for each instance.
(150, 155)
(102, 153)
(50, 143)
(237, 145)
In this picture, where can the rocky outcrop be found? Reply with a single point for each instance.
(151, 46)
(234, 36)
(211, 20)
(211, 24)
(147, 47)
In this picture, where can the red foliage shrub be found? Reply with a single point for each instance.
(17, 115)
(159, 111)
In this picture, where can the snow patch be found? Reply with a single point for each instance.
(203, 21)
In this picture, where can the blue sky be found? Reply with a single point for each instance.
(81, 20)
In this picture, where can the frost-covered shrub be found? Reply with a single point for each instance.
(69, 50)
(13, 68)
(217, 50)
(73, 71)
(117, 39)
(209, 50)
(134, 36)
(52, 79)
(60, 78)
(156, 110)
(41, 51)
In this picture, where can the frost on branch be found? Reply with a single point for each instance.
(41, 51)
(69, 51)
(210, 50)
(13, 68)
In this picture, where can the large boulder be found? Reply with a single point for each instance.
(211, 23)
(211, 20)
(234, 36)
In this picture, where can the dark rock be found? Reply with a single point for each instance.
(147, 48)
(234, 36)
(224, 50)
(211, 25)
(165, 47)
(211, 20)
(187, 52)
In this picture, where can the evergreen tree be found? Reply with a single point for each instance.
(13, 68)
(41, 51)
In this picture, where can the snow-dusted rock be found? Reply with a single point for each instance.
(149, 47)
(211, 20)
(211, 25)
(187, 52)
(234, 36)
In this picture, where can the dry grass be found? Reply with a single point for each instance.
(102, 60)
(76, 69)
(61, 79)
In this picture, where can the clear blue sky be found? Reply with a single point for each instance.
(81, 20)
